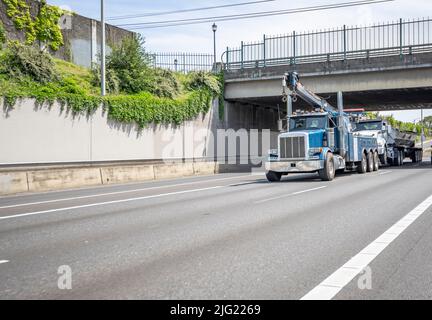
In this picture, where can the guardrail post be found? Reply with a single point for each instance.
(242, 54)
(294, 48)
(401, 37)
(345, 41)
(264, 50)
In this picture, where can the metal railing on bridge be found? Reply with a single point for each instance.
(183, 62)
(395, 38)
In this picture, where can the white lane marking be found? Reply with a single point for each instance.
(331, 286)
(107, 203)
(4, 261)
(120, 192)
(384, 172)
(289, 195)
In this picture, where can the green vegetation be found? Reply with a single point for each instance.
(405, 126)
(160, 97)
(44, 27)
(2, 35)
(22, 61)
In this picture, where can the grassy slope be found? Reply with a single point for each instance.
(75, 90)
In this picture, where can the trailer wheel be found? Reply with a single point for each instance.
(385, 157)
(370, 162)
(273, 176)
(397, 159)
(401, 158)
(376, 162)
(362, 166)
(329, 171)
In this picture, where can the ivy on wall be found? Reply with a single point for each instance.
(44, 27)
(142, 109)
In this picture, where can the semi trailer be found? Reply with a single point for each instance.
(393, 145)
(321, 140)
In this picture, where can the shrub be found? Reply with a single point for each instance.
(112, 81)
(23, 60)
(2, 35)
(203, 81)
(131, 64)
(162, 83)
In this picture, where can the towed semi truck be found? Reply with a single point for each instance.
(322, 140)
(393, 145)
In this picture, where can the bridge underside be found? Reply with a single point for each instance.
(378, 100)
(376, 84)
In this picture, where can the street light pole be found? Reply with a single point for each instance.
(214, 28)
(103, 40)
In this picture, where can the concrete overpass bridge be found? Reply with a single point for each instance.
(379, 67)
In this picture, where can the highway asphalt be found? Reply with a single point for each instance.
(229, 236)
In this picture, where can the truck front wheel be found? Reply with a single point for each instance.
(273, 176)
(328, 172)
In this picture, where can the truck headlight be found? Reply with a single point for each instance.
(273, 152)
(313, 151)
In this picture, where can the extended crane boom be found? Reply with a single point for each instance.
(292, 82)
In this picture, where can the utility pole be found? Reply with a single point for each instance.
(103, 40)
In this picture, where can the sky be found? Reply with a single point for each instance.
(199, 38)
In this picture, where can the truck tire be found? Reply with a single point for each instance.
(362, 166)
(376, 163)
(329, 171)
(273, 176)
(385, 157)
(370, 162)
(397, 159)
(401, 158)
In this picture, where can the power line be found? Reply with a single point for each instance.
(186, 10)
(181, 22)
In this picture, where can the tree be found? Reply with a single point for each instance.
(427, 121)
(131, 64)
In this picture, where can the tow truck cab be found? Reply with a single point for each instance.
(315, 142)
(303, 148)
(322, 141)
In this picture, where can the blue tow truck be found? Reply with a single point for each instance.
(321, 140)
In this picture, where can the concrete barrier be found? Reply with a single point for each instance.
(13, 182)
(46, 180)
(114, 175)
(204, 168)
(170, 171)
(50, 179)
(233, 168)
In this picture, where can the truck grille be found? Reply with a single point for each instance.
(292, 148)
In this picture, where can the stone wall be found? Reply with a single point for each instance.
(82, 40)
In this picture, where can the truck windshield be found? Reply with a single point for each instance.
(361, 126)
(308, 123)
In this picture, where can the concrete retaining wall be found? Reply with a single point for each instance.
(49, 135)
(70, 178)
